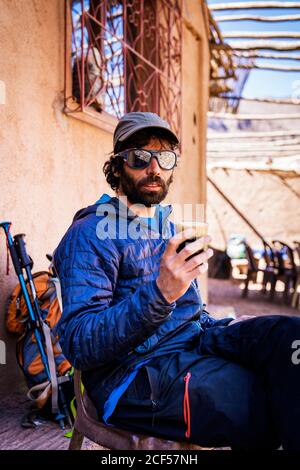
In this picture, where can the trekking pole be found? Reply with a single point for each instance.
(26, 263)
(17, 250)
(18, 268)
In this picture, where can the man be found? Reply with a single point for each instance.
(153, 360)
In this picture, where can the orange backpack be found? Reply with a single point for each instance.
(18, 322)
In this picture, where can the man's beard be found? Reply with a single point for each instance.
(136, 194)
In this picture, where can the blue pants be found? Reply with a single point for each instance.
(238, 387)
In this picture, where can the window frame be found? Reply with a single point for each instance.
(86, 114)
(103, 119)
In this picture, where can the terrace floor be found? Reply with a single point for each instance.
(225, 297)
(46, 436)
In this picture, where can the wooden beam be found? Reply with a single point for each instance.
(248, 155)
(255, 134)
(264, 55)
(215, 26)
(222, 77)
(259, 144)
(271, 143)
(270, 45)
(290, 101)
(254, 117)
(280, 141)
(253, 5)
(284, 161)
(277, 68)
(254, 153)
(265, 19)
(261, 34)
(273, 168)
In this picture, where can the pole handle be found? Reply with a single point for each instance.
(20, 245)
(11, 247)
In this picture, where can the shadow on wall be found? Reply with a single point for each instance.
(11, 378)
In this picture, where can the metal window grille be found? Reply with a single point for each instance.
(125, 55)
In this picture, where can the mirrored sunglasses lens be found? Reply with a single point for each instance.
(139, 158)
(167, 160)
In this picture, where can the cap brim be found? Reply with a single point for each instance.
(146, 126)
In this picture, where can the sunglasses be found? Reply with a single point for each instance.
(139, 159)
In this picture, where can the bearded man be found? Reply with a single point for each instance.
(152, 359)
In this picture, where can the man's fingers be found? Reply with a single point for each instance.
(193, 247)
(179, 238)
(197, 260)
(198, 270)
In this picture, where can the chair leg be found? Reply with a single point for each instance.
(272, 288)
(76, 440)
(265, 281)
(295, 298)
(286, 291)
(245, 290)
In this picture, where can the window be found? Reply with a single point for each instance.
(121, 56)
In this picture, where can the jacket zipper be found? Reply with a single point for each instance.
(186, 405)
(152, 395)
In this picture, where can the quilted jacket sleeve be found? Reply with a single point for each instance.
(92, 331)
(208, 321)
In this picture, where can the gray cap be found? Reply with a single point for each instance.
(135, 121)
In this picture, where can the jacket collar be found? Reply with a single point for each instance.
(123, 211)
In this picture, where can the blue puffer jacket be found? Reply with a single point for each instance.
(114, 316)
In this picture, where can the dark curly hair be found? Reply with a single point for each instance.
(139, 139)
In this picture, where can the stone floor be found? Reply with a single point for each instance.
(225, 298)
(46, 436)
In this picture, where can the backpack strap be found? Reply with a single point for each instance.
(52, 367)
(47, 388)
(49, 349)
(57, 285)
(41, 392)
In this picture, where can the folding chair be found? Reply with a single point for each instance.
(287, 269)
(296, 294)
(269, 272)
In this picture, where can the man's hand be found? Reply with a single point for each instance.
(176, 274)
(241, 318)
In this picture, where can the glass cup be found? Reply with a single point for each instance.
(200, 228)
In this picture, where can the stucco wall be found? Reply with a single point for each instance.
(50, 163)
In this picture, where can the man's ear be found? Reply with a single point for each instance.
(116, 169)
